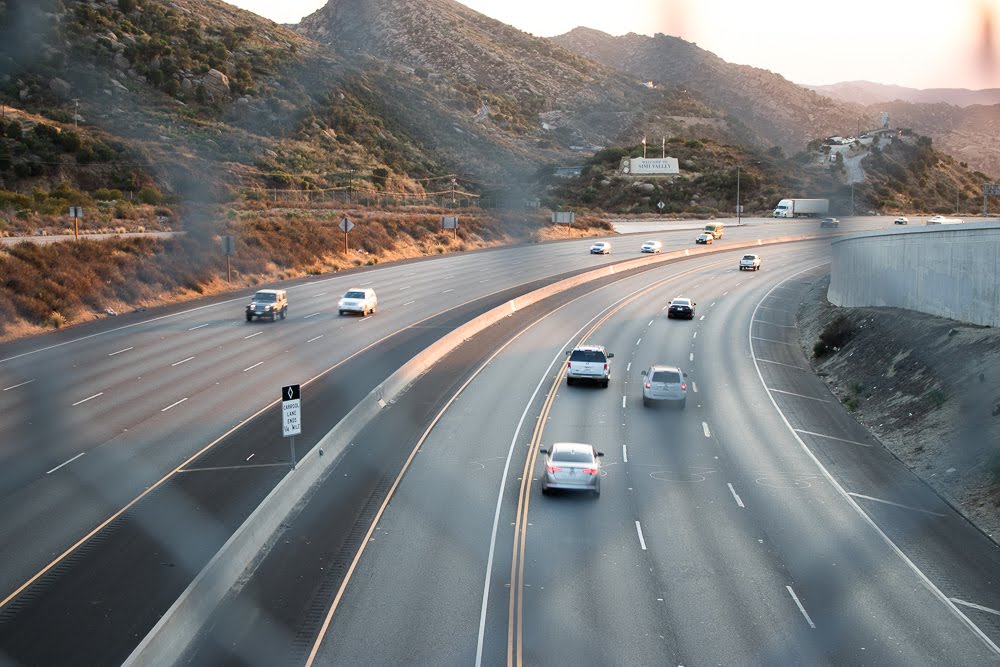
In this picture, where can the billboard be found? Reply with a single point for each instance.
(654, 165)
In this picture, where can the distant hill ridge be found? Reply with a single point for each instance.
(867, 93)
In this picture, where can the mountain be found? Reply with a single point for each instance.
(777, 111)
(780, 112)
(493, 83)
(867, 93)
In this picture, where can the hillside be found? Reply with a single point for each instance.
(779, 112)
(524, 94)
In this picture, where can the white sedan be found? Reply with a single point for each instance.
(707, 239)
(600, 248)
(651, 246)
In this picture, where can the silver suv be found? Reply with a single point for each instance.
(664, 384)
(589, 362)
(269, 303)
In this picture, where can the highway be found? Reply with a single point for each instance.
(720, 536)
(103, 414)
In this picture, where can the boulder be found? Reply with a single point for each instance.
(216, 83)
(60, 87)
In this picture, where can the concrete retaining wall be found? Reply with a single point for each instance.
(951, 271)
(169, 638)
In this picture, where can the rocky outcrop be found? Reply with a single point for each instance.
(216, 84)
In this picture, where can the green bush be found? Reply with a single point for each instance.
(107, 194)
(150, 195)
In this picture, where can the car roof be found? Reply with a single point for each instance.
(570, 446)
(665, 367)
(358, 289)
(679, 299)
(269, 291)
(589, 347)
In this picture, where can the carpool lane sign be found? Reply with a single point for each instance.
(291, 410)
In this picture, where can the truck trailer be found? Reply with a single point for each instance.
(794, 208)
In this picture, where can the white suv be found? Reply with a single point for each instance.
(358, 300)
(589, 362)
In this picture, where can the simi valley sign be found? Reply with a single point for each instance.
(639, 166)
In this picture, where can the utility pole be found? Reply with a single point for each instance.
(76, 110)
(739, 209)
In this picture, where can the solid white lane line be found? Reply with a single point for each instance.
(889, 502)
(111, 354)
(65, 463)
(182, 361)
(650, 323)
(775, 324)
(642, 540)
(627, 368)
(691, 357)
(830, 437)
(771, 340)
(792, 393)
(252, 335)
(15, 386)
(314, 339)
(251, 456)
(200, 326)
(310, 315)
(801, 608)
(638, 341)
(250, 368)
(101, 393)
(704, 427)
(173, 405)
(451, 289)
(623, 401)
(976, 606)
(625, 453)
(739, 501)
(778, 363)
(694, 387)
(409, 303)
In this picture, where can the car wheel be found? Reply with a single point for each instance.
(274, 316)
(683, 403)
(645, 402)
(569, 381)
(597, 492)
(284, 312)
(545, 491)
(605, 383)
(249, 317)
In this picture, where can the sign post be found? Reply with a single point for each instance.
(989, 189)
(291, 415)
(76, 212)
(229, 249)
(450, 222)
(345, 226)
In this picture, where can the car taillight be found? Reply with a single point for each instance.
(605, 367)
(552, 468)
(684, 386)
(648, 385)
(590, 471)
(569, 364)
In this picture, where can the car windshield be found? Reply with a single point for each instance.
(595, 356)
(672, 377)
(572, 456)
(354, 295)
(265, 296)
(681, 302)
(751, 257)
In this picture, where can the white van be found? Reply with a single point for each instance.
(358, 300)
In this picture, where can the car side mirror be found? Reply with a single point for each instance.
(600, 453)
(610, 354)
(693, 303)
(543, 450)
(569, 352)
(643, 373)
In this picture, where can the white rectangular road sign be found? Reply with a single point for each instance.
(291, 411)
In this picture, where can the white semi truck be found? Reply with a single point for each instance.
(794, 208)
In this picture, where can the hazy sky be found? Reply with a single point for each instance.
(918, 43)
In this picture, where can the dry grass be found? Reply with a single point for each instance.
(61, 284)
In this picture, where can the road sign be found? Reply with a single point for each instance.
(345, 224)
(563, 217)
(739, 209)
(291, 411)
(991, 189)
(449, 222)
(76, 211)
(660, 205)
(228, 246)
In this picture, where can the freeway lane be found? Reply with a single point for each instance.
(741, 544)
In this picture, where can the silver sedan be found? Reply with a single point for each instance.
(572, 465)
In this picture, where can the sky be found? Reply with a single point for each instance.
(914, 43)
